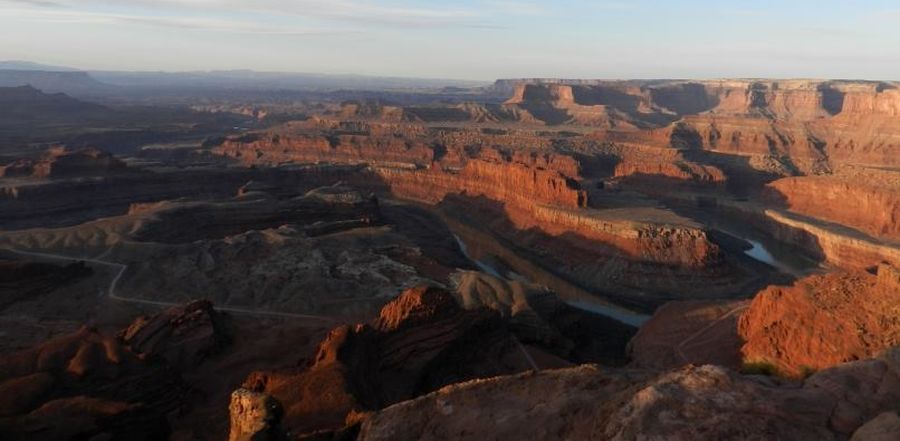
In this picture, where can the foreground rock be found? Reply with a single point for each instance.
(428, 338)
(693, 403)
(823, 320)
(690, 332)
(421, 341)
(884, 427)
(254, 417)
(84, 385)
(793, 331)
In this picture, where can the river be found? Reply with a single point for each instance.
(568, 293)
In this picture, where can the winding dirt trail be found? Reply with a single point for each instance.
(120, 271)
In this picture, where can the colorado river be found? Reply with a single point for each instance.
(760, 253)
(574, 296)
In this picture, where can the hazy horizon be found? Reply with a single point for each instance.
(479, 40)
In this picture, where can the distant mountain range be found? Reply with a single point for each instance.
(25, 103)
(248, 79)
(70, 82)
(103, 83)
(30, 65)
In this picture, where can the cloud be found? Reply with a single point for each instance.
(39, 3)
(356, 11)
(187, 23)
(516, 7)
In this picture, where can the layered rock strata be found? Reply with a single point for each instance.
(863, 202)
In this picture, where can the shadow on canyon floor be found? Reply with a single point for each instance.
(573, 264)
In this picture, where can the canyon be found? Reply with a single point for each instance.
(534, 259)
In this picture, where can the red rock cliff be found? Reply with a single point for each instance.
(864, 204)
(823, 320)
(272, 149)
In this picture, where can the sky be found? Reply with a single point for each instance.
(471, 39)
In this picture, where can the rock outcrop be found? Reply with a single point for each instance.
(692, 403)
(424, 340)
(319, 211)
(254, 416)
(840, 246)
(421, 341)
(540, 190)
(822, 321)
(557, 404)
(183, 335)
(884, 427)
(83, 385)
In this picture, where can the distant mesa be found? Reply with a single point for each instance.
(62, 162)
(69, 82)
(24, 106)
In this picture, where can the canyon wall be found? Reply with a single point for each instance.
(346, 149)
(509, 182)
(649, 240)
(835, 245)
(535, 198)
(831, 244)
(861, 204)
(677, 169)
(817, 124)
(811, 125)
(531, 189)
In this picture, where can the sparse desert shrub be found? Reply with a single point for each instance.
(760, 367)
(806, 371)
